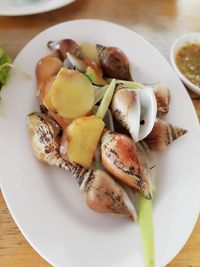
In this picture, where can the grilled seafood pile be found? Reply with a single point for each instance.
(76, 86)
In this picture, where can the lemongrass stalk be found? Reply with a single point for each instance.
(100, 94)
(129, 84)
(147, 230)
(106, 100)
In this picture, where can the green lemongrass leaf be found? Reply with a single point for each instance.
(100, 94)
(129, 84)
(147, 230)
(106, 100)
(145, 213)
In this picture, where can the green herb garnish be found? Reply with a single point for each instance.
(5, 64)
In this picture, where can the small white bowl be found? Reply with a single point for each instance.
(178, 43)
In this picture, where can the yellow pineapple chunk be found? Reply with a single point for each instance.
(80, 140)
(71, 94)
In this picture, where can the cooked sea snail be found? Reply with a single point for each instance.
(125, 108)
(162, 135)
(135, 110)
(100, 191)
(64, 46)
(103, 194)
(72, 54)
(72, 62)
(114, 62)
(162, 95)
(46, 68)
(122, 159)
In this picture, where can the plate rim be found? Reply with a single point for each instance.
(26, 10)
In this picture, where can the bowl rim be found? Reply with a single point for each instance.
(180, 41)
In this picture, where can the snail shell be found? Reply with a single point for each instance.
(114, 62)
(162, 135)
(100, 191)
(122, 159)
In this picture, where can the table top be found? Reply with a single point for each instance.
(160, 22)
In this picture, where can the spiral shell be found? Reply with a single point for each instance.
(162, 135)
(104, 195)
(122, 159)
(70, 46)
(114, 62)
(162, 95)
(100, 191)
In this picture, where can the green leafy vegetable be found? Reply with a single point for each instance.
(106, 100)
(5, 64)
(146, 228)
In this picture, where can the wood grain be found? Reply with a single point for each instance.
(158, 21)
(14, 249)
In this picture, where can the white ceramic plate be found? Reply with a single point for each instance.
(46, 203)
(178, 43)
(28, 7)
